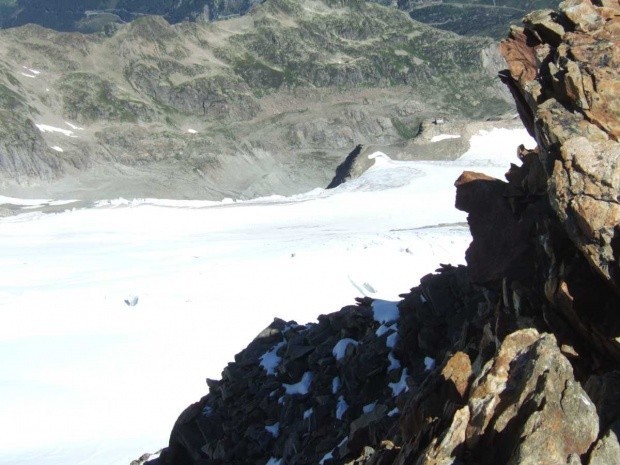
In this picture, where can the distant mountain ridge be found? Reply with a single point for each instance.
(267, 102)
(466, 17)
(93, 15)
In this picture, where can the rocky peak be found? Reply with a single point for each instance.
(564, 67)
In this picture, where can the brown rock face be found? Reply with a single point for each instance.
(495, 252)
(565, 66)
(526, 403)
(522, 408)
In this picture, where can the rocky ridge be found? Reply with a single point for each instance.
(525, 338)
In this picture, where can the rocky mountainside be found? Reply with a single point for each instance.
(101, 15)
(473, 17)
(514, 359)
(270, 102)
(468, 17)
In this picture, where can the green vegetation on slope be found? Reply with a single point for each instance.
(275, 93)
(468, 17)
(490, 18)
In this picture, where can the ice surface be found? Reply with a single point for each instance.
(210, 275)
(340, 349)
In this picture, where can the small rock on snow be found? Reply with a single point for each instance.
(132, 300)
(340, 349)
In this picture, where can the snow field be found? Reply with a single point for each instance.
(87, 379)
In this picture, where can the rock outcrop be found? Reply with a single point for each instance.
(566, 71)
(514, 359)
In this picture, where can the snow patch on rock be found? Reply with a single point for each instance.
(340, 349)
(270, 359)
(47, 128)
(274, 429)
(441, 137)
(385, 311)
(302, 387)
(341, 407)
(336, 383)
(401, 385)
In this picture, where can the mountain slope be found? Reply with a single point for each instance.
(98, 15)
(468, 17)
(267, 102)
(489, 18)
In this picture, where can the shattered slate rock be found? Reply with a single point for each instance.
(298, 394)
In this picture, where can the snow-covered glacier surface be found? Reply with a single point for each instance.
(111, 317)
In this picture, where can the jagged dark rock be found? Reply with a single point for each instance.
(513, 359)
(235, 422)
(343, 171)
(299, 393)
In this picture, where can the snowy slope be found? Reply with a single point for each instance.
(86, 378)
